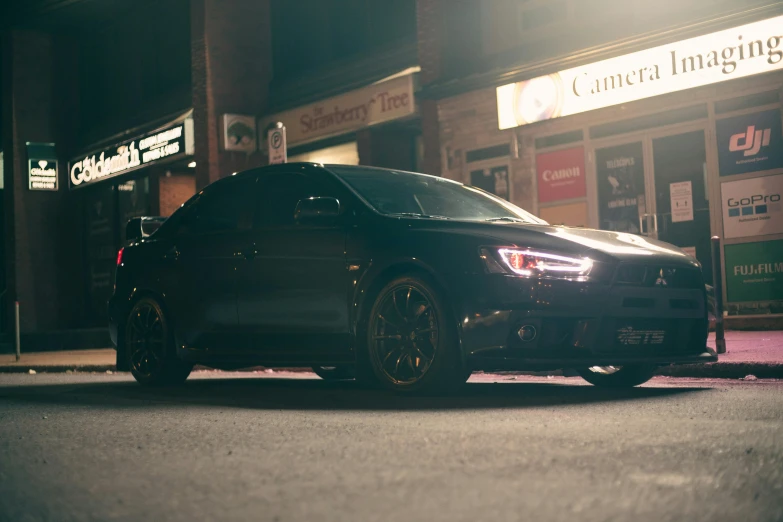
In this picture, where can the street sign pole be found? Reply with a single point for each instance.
(717, 287)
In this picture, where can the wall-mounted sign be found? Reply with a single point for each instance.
(681, 197)
(754, 271)
(168, 143)
(561, 175)
(377, 103)
(278, 147)
(724, 55)
(752, 207)
(620, 177)
(239, 133)
(42, 169)
(750, 143)
(493, 180)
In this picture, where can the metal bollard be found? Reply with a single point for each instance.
(18, 343)
(717, 286)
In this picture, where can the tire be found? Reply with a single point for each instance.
(411, 339)
(617, 376)
(149, 346)
(334, 373)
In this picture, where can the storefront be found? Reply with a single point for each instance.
(376, 125)
(677, 142)
(133, 176)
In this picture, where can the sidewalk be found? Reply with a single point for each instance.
(749, 353)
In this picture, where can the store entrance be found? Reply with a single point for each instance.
(682, 207)
(655, 185)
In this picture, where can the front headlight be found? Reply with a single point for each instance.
(534, 263)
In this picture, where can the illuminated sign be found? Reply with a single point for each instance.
(42, 170)
(724, 55)
(167, 143)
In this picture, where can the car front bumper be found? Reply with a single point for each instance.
(579, 324)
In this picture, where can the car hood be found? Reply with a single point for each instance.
(598, 244)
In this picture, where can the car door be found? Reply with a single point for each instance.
(205, 257)
(293, 291)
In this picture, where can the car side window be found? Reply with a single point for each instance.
(225, 207)
(278, 195)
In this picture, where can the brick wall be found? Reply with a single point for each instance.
(42, 247)
(173, 191)
(469, 121)
(231, 72)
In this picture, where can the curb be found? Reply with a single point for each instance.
(719, 370)
(725, 370)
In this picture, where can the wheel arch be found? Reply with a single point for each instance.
(373, 281)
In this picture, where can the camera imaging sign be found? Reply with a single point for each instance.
(750, 49)
(752, 207)
(41, 166)
(754, 271)
(750, 143)
(171, 142)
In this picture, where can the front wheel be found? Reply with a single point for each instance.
(617, 376)
(149, 346)
(412, 339)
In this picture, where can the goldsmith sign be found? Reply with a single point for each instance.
(733, 53)
(175, 140)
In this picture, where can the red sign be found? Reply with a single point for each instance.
(561, 175)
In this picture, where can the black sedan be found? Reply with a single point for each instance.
(399, 279)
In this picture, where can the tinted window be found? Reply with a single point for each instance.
(279, 194)
(223, 207)
(396, 192)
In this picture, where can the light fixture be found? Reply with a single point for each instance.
(192, 164)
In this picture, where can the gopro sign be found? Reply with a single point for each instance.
(750, 143)
(752, 207)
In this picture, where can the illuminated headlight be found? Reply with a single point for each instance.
(532, 263)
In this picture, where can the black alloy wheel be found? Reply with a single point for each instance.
(617, 376)
(334, 373)
(149, 346)
(411, 340)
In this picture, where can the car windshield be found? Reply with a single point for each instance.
(394, 192)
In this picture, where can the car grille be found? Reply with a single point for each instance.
(658, 276)
(650, 336)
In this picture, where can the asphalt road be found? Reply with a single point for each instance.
(234, 447)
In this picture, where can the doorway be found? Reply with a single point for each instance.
(655, 185)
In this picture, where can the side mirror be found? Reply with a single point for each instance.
(141, 227)
(317, 209)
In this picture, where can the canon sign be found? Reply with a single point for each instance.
(561, 175)
(557, 175)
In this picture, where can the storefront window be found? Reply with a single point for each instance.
(345, 154)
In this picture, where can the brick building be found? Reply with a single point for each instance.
(657, 119)
(118, 109)
(576, 110)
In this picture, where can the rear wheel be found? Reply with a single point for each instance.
(149, 346)
(412, 340)
(617, 376)
(334, 373)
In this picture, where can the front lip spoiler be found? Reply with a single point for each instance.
(708, 356)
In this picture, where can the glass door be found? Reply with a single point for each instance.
(620, 174)
(681, 200)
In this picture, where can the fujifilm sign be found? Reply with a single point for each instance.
(724, 55)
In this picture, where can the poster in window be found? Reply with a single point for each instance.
(494, 180)
(620, 178)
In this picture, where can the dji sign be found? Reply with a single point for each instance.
(750, 143)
